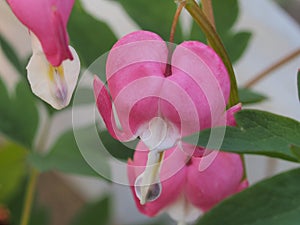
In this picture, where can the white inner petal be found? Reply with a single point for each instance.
(54, 85)
(182, 211)
(159, 135)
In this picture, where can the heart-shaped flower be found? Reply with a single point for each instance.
(160, 108)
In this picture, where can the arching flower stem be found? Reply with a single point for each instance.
(213, 38)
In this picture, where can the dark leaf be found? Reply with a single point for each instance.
(12, 170)
(117, 149)
(64, 156)
(248, 96)
(89, 36)
(155, 16)
(275, 201)
(18, 114)
(258, 132)
(97, 213)
(11, 55)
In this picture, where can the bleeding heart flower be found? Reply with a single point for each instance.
(161, 109)
(51, 72)
(190, 191)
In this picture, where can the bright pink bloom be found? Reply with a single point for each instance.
(47, 19)
(202, 189)
(161, 110)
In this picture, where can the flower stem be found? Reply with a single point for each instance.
(273, 67)
(168, 70)
(214, 40)
(29, 196)
(208, 11)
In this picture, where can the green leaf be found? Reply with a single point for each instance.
(226, 14)
(248, 96)
(258, 132)
(64, 156)
(18, 114)
(11, 55)
(88, 35)
(12, 170)
(154, 15)
(236, 44)
(275, 201)
(116, 148)
(296, 151)
(39, 214)
(97, 213)
(298, 81)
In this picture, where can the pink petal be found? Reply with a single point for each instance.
(132, 66)
(48, 21)
(172, 178)
(201, 72)
(220, 180)
(230, 114)
(104, 106)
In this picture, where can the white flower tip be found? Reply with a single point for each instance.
(54, 85)
(147, 185)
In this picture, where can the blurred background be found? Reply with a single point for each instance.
(275, 34)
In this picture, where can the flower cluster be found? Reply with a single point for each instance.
(160, 110)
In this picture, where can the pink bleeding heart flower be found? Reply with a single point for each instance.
(48, 21)
(54, 67)
(189, 191)
(162, 109)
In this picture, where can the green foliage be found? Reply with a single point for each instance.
(248, 96)
(275, 201)
(89, 36)
(39, 214)
(226, 14)
(116, 148)
(258, 132)
(11, 55)
(155, 16)
(12, 170)
(64, 156)
(97, 213)
(18, 114)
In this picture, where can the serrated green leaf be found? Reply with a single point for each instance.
(89, 36)
(275, 201)
(12, 170)
(18, 114)
(63, 156)
(155, 16)
(11, 55)
(248, 96)
(97, 213)
(258, 132)
(226, 13)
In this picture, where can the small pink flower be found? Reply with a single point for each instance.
(54, 67)
(160, 110)
(47, 19)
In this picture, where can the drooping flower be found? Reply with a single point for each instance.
(189, 191)
(162, 109)
(54, 67)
